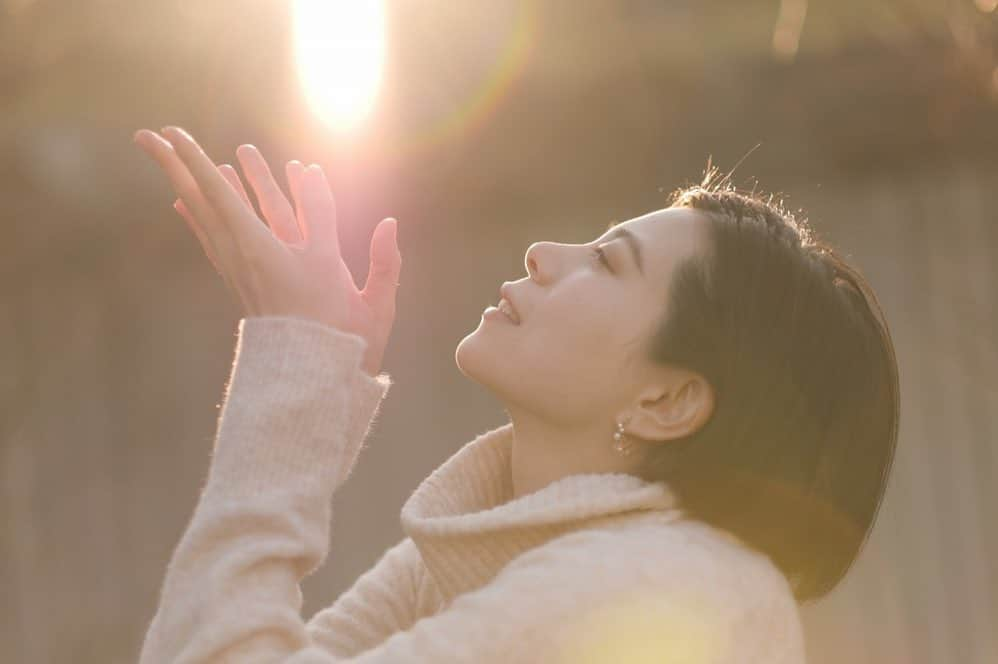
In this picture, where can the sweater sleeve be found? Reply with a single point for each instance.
(296, 410)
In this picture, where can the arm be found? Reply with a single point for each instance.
(302, 395)
(296, 411)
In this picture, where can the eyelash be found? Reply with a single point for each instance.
(600, 255)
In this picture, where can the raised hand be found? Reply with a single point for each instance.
(292, 266)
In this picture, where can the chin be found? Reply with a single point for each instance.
(478, 357)
(468, 355)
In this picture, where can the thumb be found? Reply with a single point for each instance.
(386, 264)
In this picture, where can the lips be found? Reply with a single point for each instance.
(505, 294)
(507, 309)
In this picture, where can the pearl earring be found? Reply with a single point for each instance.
(619, 445)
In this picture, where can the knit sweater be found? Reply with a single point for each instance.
(596, 568)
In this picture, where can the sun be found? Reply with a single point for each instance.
(339, 54)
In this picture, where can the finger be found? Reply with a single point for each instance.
(184, 185)
(386, 264)
(294, 170)
(274, 205)
(250, 238)
(208, 250)
(181, 208)
(319, 211)
(233, 287)
(232, 176)
(196, 206)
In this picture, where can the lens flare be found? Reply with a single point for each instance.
(467, 116)
(646, 630)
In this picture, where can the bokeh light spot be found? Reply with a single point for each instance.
(645, 630)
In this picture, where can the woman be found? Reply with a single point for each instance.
(703, 412)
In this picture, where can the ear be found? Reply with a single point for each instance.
(672, 410)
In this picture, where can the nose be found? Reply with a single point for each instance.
(546, 260)
(532, 260)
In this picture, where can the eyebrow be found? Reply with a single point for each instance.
(632, 242)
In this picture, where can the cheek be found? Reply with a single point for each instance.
(575, 339)
(571, 363)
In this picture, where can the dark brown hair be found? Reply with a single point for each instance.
(795, 458)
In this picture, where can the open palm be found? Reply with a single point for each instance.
(292, 266)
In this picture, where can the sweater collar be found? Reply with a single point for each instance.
(467, 527)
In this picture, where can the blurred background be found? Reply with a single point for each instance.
(483, 127)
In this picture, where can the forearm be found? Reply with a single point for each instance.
(295, 414)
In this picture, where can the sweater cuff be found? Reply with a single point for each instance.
(296, 409)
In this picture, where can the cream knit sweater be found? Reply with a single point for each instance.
(591, 568)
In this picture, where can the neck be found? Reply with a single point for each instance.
(544, 452)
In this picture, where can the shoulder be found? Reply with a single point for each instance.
(649, 549)
(659, 584)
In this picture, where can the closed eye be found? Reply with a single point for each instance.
(600, 255)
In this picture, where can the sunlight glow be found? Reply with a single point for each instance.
(682, 628)
(339, 51)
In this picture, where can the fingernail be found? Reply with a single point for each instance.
(152, 136)
(178, 131)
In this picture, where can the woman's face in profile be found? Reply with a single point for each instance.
(579, 348)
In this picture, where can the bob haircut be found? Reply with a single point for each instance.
(795, 459)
